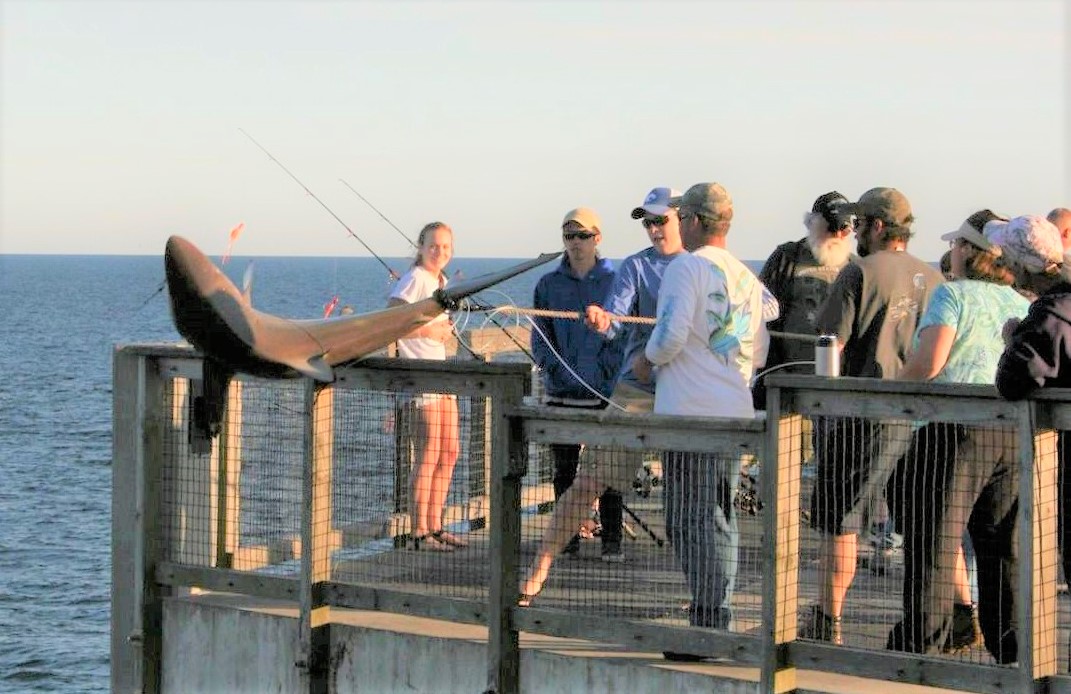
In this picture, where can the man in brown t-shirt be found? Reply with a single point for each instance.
(873, 308)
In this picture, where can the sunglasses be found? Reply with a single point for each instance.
(582, 235)
(660, 221)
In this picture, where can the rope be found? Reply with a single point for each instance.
(641, 320)
(571, 315)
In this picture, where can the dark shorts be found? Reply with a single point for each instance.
(842, 450)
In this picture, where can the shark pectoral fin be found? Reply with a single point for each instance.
(315, 368)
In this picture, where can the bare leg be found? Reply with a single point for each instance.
(424, 472)
(962, 579)
(448, 445)
(839, 555)
(570, 509)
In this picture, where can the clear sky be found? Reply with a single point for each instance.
(120, 120)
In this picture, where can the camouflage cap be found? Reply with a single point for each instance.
(707, 200)
(887, 204)
(585, 217)
(1031, 241)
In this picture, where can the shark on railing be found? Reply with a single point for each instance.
(218, 319)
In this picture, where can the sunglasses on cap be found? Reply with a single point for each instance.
(582, 235)
(659, 221)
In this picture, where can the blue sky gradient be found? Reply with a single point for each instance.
(119, 121)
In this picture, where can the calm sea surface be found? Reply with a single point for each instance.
(60, 319)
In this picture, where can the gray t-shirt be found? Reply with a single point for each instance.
(873, 308)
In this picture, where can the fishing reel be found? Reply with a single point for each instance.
(448, 302)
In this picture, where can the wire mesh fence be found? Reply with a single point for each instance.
(891, 522)
(683, 548)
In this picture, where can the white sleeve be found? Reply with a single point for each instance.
(411, 287)
(761, 341)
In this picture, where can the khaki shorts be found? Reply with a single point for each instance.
(615, 468)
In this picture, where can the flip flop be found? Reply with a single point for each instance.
(449, 539)
(430, 543)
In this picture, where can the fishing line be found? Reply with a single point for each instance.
(509, 302)
(568, 368)
(393, 275)
(566, 364)
(779, 366)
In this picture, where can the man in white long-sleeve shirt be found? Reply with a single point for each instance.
(709, 338)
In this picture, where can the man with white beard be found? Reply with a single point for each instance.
(799, 275)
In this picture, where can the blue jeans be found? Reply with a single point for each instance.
(701, 525)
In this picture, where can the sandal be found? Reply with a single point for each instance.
(449, 539)
(589, 528)
(430, 543)
(525, 600)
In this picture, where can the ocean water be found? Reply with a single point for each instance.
(60, 320)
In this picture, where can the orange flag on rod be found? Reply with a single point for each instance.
(329, 307)
(235, 233)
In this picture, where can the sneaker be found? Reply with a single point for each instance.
(572, 550)
(613, 555)
(819, 626)
(966, 631)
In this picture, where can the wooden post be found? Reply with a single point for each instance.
(1038, 559)
(138, 413)
(781, 533)
(316, 537)
(509, 462)
(226, 473)
(202, 529)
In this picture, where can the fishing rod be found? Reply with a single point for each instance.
(151, 296)
(382, 216)
(393, 275)
(491, 318)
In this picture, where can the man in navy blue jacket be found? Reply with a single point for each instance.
(578, 365)
(1038, 355)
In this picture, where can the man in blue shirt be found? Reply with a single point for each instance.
(579, 367)
(635, 293)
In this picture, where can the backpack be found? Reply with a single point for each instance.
(778, 286)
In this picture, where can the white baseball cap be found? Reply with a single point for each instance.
(656, 202)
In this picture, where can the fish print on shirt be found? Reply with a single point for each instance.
(904, 307)
(729, 335)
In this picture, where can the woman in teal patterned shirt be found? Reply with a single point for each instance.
(953, 478)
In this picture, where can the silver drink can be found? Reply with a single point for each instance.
(827, 357)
